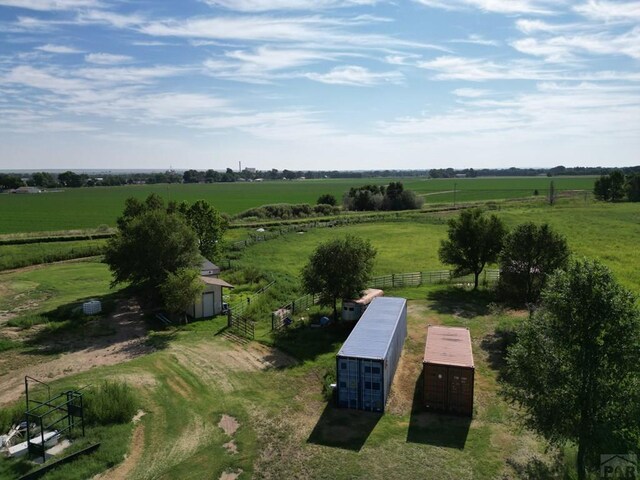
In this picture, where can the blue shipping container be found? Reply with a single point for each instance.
(367, 361)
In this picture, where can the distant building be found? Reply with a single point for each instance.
(250, 170)
(353, 309)
(26, 190)
(461, 175)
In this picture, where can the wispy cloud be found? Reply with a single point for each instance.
(356, 76)
(541, 7)
(107, 58)
(48, 5)
(266, 5)
(610, 11)
(476, 40)
(62, 49)
(470, 92)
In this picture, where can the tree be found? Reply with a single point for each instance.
(473, 241)
(575, 366)
(327, 199)
(633, 187)
(208, 225)
(338, 269)
(70, 179)
(530, 253)
(601, 188)
(610, 187)
(180, 289)
(43, 179)
(149, 247)
(552, 193)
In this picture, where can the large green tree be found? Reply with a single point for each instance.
(632, 187)
(473, 240)
(610, 187)
(180, 289)
(339, 269)
(149, 247)
(208, 225)
(530, 253)
(575, 368)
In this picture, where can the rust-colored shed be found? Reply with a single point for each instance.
(448, 370)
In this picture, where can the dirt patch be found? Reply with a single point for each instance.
(132, 459)
(231, 475)
(127, 342)
(228, 424)
(138, 416)
(231, 447)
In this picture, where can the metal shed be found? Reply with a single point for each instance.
(448, 370)
(367, 361)
(353, 309)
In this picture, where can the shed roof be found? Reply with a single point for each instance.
(207, 265)
(215, 281)
(372, 334)
(367, 296)
(448, 346)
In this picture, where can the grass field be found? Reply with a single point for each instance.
(193, 375)
(93, 207)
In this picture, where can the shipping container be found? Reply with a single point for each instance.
(448, 370)
(354, 308)
(367, 361)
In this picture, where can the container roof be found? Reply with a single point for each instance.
(372, 334)
(448, 346)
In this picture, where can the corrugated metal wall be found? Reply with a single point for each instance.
(448, 388)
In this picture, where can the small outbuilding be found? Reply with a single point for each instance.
(448, 370)
(354, 308)
(210, 302)
(367, 361)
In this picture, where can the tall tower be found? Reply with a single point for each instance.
(240, 167)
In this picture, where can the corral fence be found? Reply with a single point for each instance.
(240, 307)
(282, 316)
(241, 325)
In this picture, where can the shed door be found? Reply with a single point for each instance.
(207, 304)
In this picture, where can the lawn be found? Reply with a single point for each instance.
(16, 256)
(85, 208)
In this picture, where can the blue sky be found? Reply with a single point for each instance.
(324, 84)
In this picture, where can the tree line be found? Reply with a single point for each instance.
(617, 186)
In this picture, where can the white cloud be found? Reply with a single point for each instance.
(540, 7)
(471, 92)
(610, 11)
(107, 58)
(62, 49)
(266, 5)
(47, 5)
(356, 76)
(476, 40)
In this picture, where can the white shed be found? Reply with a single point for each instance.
(210, 302)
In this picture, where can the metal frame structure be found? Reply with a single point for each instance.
(55, 414)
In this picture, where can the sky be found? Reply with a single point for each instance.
(319, 84)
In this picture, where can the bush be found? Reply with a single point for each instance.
(111, 402)
(327, 199)
(9, 416)
(286, 211)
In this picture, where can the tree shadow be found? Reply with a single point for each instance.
(535, 469)
(306, 343)
(461, 302)
(437, 429)
(343, 428)
(496, 345)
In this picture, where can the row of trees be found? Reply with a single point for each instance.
(526, 255)
(615, 187)
(379, 197)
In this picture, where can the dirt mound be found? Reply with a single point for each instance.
(228, 424)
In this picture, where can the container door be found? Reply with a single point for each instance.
(348, 383)
(435, 386)
(371, 386)
(461, 390)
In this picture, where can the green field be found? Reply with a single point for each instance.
(92, 207)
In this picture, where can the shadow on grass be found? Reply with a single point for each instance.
(496, 345)
(306, 343)
(536, 469)
(343, 428)
(437, 429)
(461, 302)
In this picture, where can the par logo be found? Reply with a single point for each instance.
(619, 466)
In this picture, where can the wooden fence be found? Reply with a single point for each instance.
(394, 280)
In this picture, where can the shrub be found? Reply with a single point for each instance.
(9, 416)
(111, 402)
(327, 199)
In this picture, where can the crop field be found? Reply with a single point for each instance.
(84, 208)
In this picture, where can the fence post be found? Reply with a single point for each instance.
(293, 307)
(229, 321)
(273, 320)
(393, 279)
